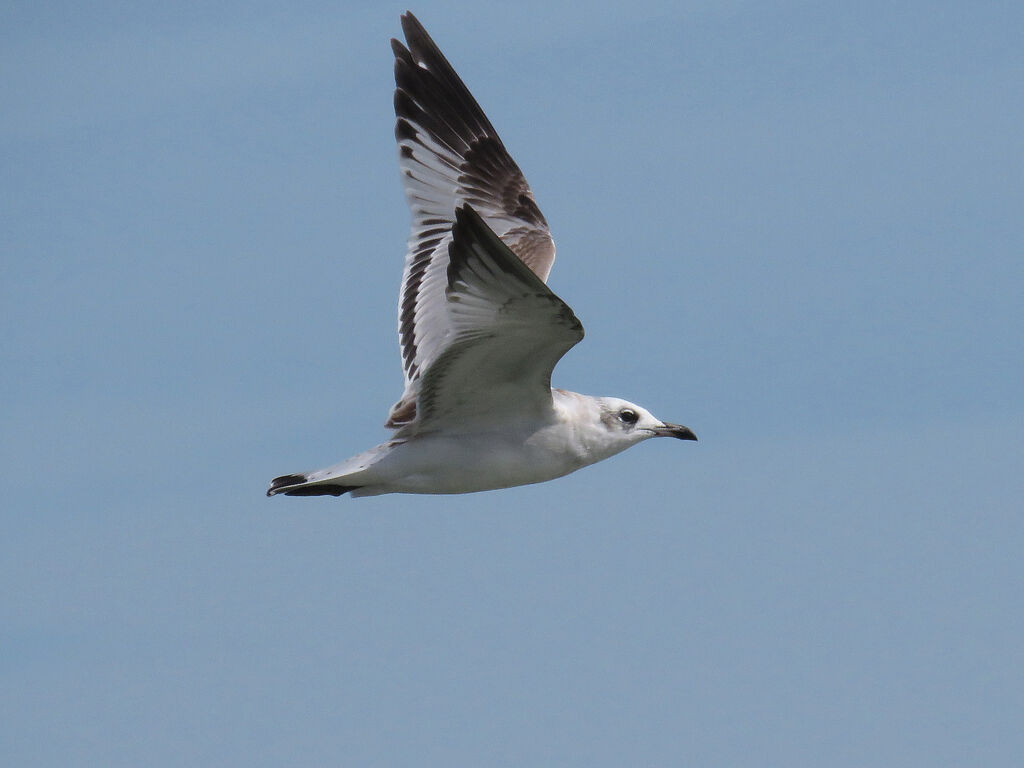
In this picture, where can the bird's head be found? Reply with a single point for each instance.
(631, 423)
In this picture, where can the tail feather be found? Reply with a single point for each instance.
(299, 485)
(353, 474)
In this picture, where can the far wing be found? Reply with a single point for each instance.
(449, 154)
(508, 330)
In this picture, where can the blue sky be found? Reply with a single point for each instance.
(795, 227)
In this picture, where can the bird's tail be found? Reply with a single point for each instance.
(300, 485)
(354, 474)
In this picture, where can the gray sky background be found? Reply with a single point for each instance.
(795, 227)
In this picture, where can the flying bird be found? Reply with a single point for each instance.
(479, 330)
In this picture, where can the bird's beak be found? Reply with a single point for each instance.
(674, 430)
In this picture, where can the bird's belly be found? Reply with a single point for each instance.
(474, 463)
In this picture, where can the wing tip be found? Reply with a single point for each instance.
(412, 27)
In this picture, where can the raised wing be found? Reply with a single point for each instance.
(508, 330)
(449, 154)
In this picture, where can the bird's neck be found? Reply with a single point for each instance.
(585, 435)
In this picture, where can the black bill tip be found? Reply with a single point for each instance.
(675, 430)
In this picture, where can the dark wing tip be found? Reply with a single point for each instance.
(412, 27)
(466, 215)
(470, 229)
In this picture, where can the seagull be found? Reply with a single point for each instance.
(479, 330)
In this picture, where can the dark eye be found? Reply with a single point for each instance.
(628, 416)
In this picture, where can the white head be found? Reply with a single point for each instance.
(611, 425)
